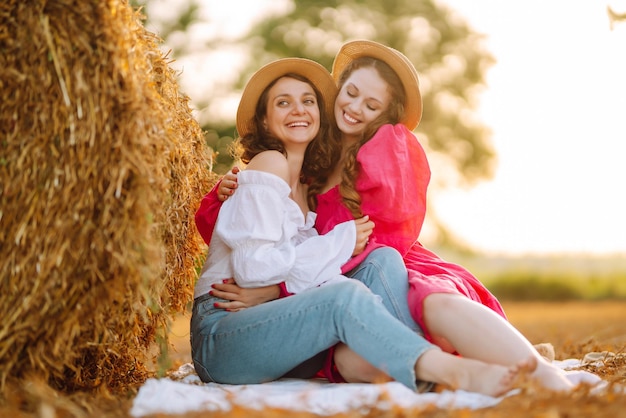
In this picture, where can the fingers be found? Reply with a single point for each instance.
(364, 228)
(228, 184)
(362, 239)
(364, 224)
(232, 174)
(230, 306)
(226, 189)
(226, 288)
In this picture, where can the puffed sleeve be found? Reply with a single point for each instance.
(393, 181)
(320, 257)
(265, 238)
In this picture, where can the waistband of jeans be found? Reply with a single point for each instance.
(202, 298)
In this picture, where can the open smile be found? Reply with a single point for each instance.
(350, 119)
(298, 124)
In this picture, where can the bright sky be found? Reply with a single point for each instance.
(556, 101)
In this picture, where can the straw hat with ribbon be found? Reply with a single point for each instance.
(397, 61)
(311, 70)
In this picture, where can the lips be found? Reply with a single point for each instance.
(349, 118)
(299, 124)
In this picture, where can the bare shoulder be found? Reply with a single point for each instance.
(272, 162)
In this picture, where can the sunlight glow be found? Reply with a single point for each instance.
(555, 102)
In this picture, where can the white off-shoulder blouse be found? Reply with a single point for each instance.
(262, 238)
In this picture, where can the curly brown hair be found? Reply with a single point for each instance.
(393, 114)
(321, 155)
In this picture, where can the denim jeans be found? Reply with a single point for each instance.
(384, 273)
(265, 342)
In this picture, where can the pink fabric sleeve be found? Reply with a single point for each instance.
(393, 181)
(206, 215)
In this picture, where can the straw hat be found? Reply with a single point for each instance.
(397, 61)
(314, 72)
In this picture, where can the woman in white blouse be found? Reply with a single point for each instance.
(264, 235)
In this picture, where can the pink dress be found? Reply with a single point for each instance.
(392, 183)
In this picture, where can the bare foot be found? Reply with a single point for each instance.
(544, 373)
(527, 366)
(465, 374)
(488, 379)
(551, 377)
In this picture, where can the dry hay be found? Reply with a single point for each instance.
(101, 169)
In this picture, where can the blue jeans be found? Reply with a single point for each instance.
(384, 273)
(265, 342)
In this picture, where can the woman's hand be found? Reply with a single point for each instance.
(228, 184)
(364, 228)
(241, 298)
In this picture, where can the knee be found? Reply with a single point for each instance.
(348, 288)
(349, 293)
(386, 255)
(389, 264)
(438, 304)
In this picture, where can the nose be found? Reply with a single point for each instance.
(298, 108)
(355, 106)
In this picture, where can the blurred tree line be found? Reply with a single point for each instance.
(615, 17)
(449, 56)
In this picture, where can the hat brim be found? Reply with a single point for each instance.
(316, 73)
(397, 61)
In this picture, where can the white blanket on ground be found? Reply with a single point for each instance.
(183, 392)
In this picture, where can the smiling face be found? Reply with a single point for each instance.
(293, 113)
(362, 98)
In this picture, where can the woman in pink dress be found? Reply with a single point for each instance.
(383, 172)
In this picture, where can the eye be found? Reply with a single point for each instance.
(373, 105)
(309, 101)
(282, 103)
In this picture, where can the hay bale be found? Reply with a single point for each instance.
(101, 169)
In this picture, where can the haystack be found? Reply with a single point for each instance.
(101, 169)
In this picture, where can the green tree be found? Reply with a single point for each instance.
(450, 57)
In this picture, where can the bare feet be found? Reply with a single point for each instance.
(544, 374)
(466, 374)
(551, 377)
(488, 379)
